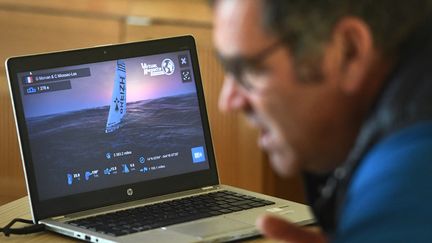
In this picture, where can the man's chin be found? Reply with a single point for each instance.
(283, 165)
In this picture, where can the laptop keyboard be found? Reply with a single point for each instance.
(169, 212)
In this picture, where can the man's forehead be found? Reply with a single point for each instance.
(238, 26)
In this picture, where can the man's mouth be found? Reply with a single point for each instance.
(253, 120)
(265, 140)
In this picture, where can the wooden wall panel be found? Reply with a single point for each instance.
(288, 188)
(35, 33)
(11, 173)
(95, 8)
(25, 33)
(183, 10)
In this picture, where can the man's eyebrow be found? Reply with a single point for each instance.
(222, 57)
(224, 60)
(230, 59)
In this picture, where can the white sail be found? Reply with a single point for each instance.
(118, 101)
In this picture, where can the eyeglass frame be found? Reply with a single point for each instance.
(237, 66)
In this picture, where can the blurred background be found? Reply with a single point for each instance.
(28, 26)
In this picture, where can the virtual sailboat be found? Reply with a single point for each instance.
(118, 101)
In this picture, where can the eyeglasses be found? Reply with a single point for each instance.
(245, 69)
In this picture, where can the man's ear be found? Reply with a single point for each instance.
(351, 53)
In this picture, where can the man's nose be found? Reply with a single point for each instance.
(231, 97)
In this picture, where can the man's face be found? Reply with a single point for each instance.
(301, 123)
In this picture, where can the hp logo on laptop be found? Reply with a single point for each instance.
(129, 191)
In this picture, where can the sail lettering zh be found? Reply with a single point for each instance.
(117, 108)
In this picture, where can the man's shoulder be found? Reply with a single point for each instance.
(403, 152)
(390, 195)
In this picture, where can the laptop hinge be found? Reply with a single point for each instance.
(207, 188)
(58, 217)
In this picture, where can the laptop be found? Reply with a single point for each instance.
(116, 147)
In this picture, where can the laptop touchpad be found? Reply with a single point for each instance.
(210, 227)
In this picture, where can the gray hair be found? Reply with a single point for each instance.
(307, 24)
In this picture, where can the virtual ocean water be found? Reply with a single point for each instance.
(76, 141)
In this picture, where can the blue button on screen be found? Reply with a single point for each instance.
(198, 155)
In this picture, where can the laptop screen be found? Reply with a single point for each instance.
(101, 125)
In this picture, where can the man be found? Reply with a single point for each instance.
(341, 92)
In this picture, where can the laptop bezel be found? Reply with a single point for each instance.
(42, 209)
